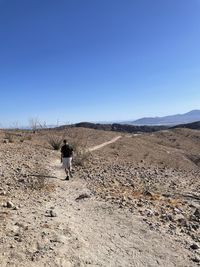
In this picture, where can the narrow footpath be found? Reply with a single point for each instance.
(96, 233)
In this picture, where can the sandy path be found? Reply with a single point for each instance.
(98, 234)
(88, 232)
(94, 233)
(105, 144)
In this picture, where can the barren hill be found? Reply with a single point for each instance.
(193, 125)
(134, 201)
(116, 127)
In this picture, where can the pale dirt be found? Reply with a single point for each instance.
(97, 234)
(88, 232)
(104, 144)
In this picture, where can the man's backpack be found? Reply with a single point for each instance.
(67, 151)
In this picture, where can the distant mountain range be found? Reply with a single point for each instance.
(171, 120)
(190, 120)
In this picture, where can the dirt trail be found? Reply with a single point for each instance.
(86, 232)
(95, 233)
(105, 144)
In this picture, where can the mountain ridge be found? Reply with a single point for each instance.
(189, 117)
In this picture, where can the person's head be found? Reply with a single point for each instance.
(65, 141)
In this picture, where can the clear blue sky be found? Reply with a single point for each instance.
(98, 60)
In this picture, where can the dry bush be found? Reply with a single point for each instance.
(81, 153)
(9, 136)
(28, 137)
(81, 156)
(79, 141)
(34, 124)
(36, 183)
(54, 141)
(25, 137)
(113, 146)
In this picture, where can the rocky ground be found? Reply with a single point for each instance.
(134, 202)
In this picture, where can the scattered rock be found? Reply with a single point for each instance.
(53, 213)
(82, 196)
(59, 239)
(149, 213)
(3, 193)
(197, 213)
(21, 225)
(196, 259)
(21, 180)
(181, 220)
(9, 204)
(147, 193)
(194, 246)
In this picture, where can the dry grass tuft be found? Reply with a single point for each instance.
(36, 183)
(79, 142)
(54, 141)
(9, 136)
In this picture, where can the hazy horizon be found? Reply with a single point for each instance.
(42, 124)
(72, 61)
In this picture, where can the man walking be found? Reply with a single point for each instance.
(66, 158)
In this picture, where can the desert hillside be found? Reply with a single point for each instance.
(133, 202)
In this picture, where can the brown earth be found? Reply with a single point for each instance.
(133, 202)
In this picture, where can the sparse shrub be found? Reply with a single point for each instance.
(81, 156)
(28, 137)
(36, 183)
(54, 141)
(79, 143)
(9, 136)
(113, 146)
(33, 122)
(25, 137)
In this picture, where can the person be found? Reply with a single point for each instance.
(66, 158)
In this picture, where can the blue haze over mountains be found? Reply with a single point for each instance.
(188, 117)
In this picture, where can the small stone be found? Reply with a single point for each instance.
(52, 213)
(177, 211)
(21, 225)
(82, 196)
(196, 259)
(18, 239)
(21, 180)
(59, 239)
(2, 193)
(197, 213)
(9, 204)
(194, 246)
(148, 193)
(195, 226)
(181, 220)
(149, 212)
